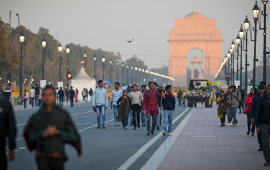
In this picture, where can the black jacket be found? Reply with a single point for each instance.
(61, 93)
(168, 101)
(7, 126)
(37, 90)
(243, 94)
(263, 114)
(71, 93)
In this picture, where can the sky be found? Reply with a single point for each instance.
(107, 24)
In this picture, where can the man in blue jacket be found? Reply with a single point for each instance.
(254, 111)
(168, 103)
(263, 124)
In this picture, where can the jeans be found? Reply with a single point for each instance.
(71, 102)
(115, 112)
(61, 100)
(7, 98)
(37, 100)
(130, 116)
(101, 113)
(136, 108)
(40, 102)
(234, 110)
(168, 117)
(241, 105)
(125, 121)
(143, 116)
(249, 123)
(25, 103)
(222, 120)
(32, 101)
(154, 118)
(229, 115)
(159, 117)
(266, 134)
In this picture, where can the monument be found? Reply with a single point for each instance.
(194, 31)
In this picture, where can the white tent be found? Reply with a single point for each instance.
(82, 80)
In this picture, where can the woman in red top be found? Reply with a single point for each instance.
(76, 95)
(249, 98)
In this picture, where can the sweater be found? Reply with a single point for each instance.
(168, 102)
(234, 101)
(136, 98)
(249, 100)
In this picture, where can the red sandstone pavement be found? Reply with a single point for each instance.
(203, 144)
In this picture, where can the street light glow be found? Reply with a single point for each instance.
(241, 32)
(237, 40)
(232, 45)
(67, 50)
(43, 43)
(22, 37)
(246, 24)
(85, 55)
(256, 12)
(103, 59)
(60, 48)
(110, 61)
(95, 57)
(136, 68)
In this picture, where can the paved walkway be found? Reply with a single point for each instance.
(29, 106)
(203, 144)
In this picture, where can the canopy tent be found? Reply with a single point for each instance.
(82, 80)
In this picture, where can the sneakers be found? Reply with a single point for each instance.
(248, 132)
(252, 133)
(134, 128)
(170, 134)
(164, 133)
(233, 125)
(125, 127)
(98, 127)
(152, 134)
(222, 125)
(143, 124)
(261, 149)
(103, 127)
(266, 164)
(131, 125)
(148, 133)
(116, 124)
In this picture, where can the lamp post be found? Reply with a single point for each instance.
(241, 35)
(139, 82)
(136, 68)
(232, 60)
(232, 69)
(237, 40)
(131, 77)
(256, 13)
(264, 39)
(127, 74)
(84, 55)
(142, 74)
(111, 70)
(117, 70)
(103, 61)
(246, 28)
(21, 41)
(67, 52)
(94, 64)
(229, 54)
(43, 43)
(122, 73)
(60, 48)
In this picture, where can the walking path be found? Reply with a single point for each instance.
(202, 144)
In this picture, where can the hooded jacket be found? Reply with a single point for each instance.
(255, 105)
(53, 146)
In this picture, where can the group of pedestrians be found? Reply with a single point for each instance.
(5, 94)
(257, 109)
(34, 97)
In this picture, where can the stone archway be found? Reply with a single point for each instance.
(196, 60)
(194, 31)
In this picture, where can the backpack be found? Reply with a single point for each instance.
(164, 96)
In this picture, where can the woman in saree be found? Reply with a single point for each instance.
(222, 102)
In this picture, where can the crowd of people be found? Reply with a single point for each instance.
(256, 105)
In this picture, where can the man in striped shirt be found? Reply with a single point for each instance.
(116, 94)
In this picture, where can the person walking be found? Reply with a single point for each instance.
(115, 95)
(7, 94)
(136, 100)
(129, 112)
(47, 132)
(83, 94)
(123, 109)
(217, 93)
(32, 96)
(66, 93)
(150, 102)
(71, 95)
(37, 96)
(222, 102)
(90, 94)
(76, 95)
(25, 96)
(180, 97)
(57, 97)
(248, 106)
(1, 93)
(61, 97)
(100, 103)
(168, 103)
(229, 112)
(254, 112)
(159, 116)
(263, 126)
(40, 97)
(235, 98)
(243, 94)
(143, 114)
(86, 95)
(8, 131)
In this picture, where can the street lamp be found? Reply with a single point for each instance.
(264, 39)
(131, 75)
(127, 74)
(229, 54)
(60, 48)
(142, 73)
(85, 55)
(237, 40)
(43, 43)
(21, 41)
(95, 58)
(117, 70)
(136, 68)
(256, 12)
(241, 35)
(246, 28)
(103, 60)
(122, 73)
(67, 52)
(110, 69)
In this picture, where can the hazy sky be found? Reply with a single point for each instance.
(106, 24)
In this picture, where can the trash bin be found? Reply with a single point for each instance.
(19, 99)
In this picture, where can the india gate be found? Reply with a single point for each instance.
(194, 31)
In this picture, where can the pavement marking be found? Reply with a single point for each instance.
(203, 136)
(159, 155)
(133, 158)
(21, 124)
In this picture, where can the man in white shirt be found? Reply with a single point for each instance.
(115, 95)
(32, 96)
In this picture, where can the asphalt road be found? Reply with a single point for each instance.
(102, 149)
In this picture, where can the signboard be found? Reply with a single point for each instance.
(60, 84)
(237, 83)
(249, 88)
(42, 83)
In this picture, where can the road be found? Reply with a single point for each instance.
(111, 148)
